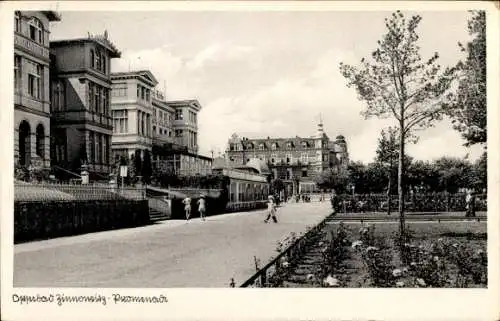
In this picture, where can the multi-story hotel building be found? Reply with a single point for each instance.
(31, 87)
(296, 161)
(82, 123)
(144, 120)
(132, 108)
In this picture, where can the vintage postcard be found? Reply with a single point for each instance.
(339, 158)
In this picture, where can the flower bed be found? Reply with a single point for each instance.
(354, 255)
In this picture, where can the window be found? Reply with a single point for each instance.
(17, 21)
(92, 146)
(92, 58)
(17, 72)
(103, 61)
(40, 141)
(91, 96)
(105, 144)
(98, 64)
(34, 80)
(99, 148)
(154, 129)
(120, 119)
(262, 146)
(274, 146)
(147, 95)
(96, 98)
(104, 100)
(138, 91)
(304, 144)
(143, 93)
(57, 96)
(36, 30)
(142, 124)
(178, 133)
(179, 115)
(304, 173)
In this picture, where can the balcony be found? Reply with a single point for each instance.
(31, 46)
(71, 116)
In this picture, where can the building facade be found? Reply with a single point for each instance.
(175, 137)
(132, 110)
(82, 122)
(296, 161)
(185, 123)
(32, 87)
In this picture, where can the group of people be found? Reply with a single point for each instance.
(271, 208)
(201, 207)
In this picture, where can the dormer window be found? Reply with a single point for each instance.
(36, 30)
(289, 145)
(262, 146)
(274, 146)
(305, 145)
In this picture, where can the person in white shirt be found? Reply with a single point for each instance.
(202, 207)
(271, 210)
(187, 207)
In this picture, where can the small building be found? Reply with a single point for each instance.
(247, 183)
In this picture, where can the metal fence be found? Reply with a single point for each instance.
(290, 253)
(433, 202)
(70, 192)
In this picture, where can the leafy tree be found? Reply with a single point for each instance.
(333, 178)
(454, 173)
(277, 185)
(357, 177)
(480, 169)
(467, 105)
(147, 169)
(398, 83)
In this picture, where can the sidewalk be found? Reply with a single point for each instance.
(169, 254)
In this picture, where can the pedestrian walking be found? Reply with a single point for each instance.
(187, 207)
(469, 204)
(202, 207)
(271, 210)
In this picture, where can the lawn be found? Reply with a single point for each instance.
(354, 255)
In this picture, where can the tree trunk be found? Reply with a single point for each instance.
(400, 179)
(389, 190)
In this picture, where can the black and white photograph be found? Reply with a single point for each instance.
(273, 146)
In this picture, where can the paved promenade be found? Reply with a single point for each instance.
(169, 254)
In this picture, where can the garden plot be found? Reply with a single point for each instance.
(355, 255)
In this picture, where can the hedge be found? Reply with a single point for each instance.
(50, 219)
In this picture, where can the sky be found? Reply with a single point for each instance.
(262, 73)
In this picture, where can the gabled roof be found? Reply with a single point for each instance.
(185, 103)
(144, 75)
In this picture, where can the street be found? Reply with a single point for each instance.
(168, 254)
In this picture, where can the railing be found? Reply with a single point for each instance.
(291, 253)
(159, 204)
(438, 202)
(68, 192)
(236, 206)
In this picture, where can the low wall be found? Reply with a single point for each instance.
(50, 219)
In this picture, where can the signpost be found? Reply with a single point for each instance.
(123, 173)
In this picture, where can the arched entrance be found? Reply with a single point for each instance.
(24, 143)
